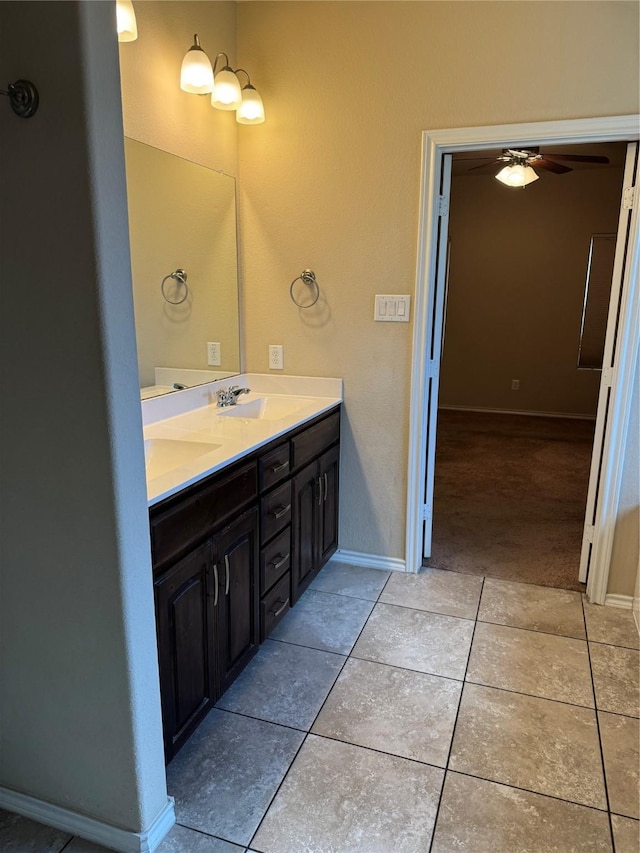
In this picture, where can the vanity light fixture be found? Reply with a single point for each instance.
(251, 110)
(126, 21)
(517, 174)
(196, 74)
(227, 94)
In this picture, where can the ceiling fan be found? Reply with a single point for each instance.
(518, 165)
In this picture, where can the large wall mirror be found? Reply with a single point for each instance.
(182, 217)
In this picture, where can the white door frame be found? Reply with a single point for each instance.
(435, 143)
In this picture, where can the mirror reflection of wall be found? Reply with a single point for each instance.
(182, 216)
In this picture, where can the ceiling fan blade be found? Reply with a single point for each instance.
(577, 158)
(486, 167)
(550, 166)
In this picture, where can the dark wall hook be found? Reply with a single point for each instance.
(23, 97)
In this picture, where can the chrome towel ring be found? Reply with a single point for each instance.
(180, 277)
(307, 277)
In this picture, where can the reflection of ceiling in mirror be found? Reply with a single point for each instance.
(182, 216)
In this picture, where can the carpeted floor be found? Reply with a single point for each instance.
(510, 496)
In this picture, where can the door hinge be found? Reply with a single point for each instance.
(443, 205)
(432, 369)
(627, 198)
(427, 512)
(607, 376)
(588, 532)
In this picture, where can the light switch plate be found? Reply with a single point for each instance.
(392, 308)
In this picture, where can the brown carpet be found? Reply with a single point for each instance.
(510, 496)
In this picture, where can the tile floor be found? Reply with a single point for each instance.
(414, 714)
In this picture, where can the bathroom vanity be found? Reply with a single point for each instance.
(234, 548)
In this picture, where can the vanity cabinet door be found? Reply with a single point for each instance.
(185, 619)
(306, 494)
(329, 467)
(236, 557)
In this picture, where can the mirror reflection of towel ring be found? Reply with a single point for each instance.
(307, 277)
(180, 277)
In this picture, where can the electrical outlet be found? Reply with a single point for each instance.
(276, 358)
(213, 354)
(515, 384)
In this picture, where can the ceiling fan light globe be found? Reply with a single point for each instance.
(516, 175)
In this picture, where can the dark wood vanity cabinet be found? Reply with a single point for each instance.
(231, 554)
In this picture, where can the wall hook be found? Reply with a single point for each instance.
(23, 97)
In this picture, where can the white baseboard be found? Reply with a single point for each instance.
(623, 601)
(517, 412)
(369, 561)
(112, 837)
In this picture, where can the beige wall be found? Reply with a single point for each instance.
(330, 181)
(516, 289)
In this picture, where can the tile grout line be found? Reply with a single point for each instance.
(455, 724)
(597, 716)
(307, 733)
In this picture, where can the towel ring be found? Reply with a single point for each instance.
(308, 277)
(180, 277)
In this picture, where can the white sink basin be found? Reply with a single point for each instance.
(267, 408)
(165, 454)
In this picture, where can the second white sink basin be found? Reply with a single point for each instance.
(165, 454)
(267, 408)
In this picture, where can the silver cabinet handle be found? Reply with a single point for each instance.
(277, 613)
(277, 468)
(326, 486)
(319, 491)
(279, 563)
(226, 568)
(215, 575)
(282, 511)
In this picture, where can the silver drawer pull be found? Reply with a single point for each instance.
(277, 613)
(277, 468)
(215, 581)
(326, 486)
(282, 511)
(319, 490)
(280, 563)
(226, 568)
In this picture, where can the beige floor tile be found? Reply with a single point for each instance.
(626, 834)
(538, 608)
(339, 797)
(542, 746)
(617, 678)
(414, 639)
(451, 593)
(612, 625)
(394, 710)
(531, 662)
(621, 752)
(477, 816)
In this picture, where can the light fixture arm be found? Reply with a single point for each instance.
(226, 67)
(248, 83)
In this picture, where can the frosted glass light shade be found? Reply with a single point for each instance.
(516, 175)
(226, 94)
(126, 21)
(251, 110)
(196, 74)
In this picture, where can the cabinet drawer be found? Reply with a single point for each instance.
(274, 606)
(275, 511)
(310, 443)
(275, 558)
(176, 528)
(274, 466)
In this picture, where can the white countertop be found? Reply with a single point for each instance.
(179, 428)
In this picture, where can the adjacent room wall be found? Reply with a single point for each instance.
(331, 182)
(516, 289)
(81, 723)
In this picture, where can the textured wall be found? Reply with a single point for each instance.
(516, 289)
(331, 182)
(81, 723)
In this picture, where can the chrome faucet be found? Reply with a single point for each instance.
(229, 396)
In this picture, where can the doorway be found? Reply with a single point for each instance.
(614, 403)
(515, 416)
